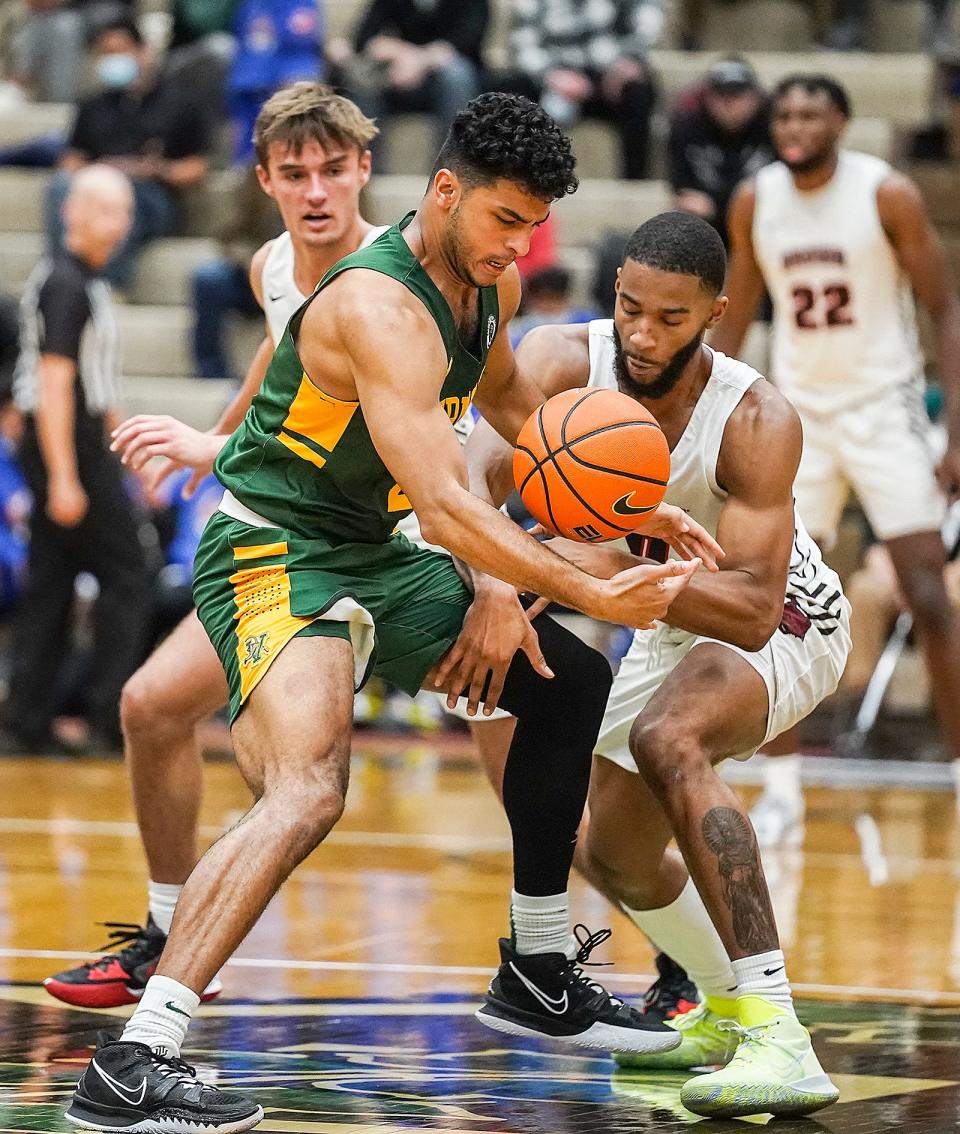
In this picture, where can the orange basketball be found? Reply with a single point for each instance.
(590, 464)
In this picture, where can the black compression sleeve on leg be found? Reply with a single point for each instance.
(548, 767)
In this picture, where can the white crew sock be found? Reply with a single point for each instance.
(765, 975)
(542, 925)
(782, 776)
(163, 897)
(162, 1017)
(683, 930)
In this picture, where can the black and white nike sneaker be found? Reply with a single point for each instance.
(126, 1086)
(548, 995)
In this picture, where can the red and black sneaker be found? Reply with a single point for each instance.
(672, 993)
(118, 978)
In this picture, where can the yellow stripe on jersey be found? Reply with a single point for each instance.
(264, 622)
(318, 417)
(303, 451)
(260, 550)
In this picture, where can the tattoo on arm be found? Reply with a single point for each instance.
(728, 835)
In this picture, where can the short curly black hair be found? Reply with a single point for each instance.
(507, 136)
(815, 84)
(681, 243)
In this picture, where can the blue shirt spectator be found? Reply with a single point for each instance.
(278, 42)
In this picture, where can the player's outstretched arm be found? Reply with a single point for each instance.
(141, 438)
(744, 286)
(924, 259)
(396, 358)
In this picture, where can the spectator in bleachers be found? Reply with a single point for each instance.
(851, 18)
(719, 134)
(66, 386)
(278, 42)
(145, 124)
(221, 286)
(414, 55)
(546, 299)
(47, 52)
(582, 59)
(201, 48)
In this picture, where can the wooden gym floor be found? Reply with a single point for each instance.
(348, 1009)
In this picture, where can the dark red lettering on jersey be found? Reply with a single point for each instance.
(830, 307)
(814, 256)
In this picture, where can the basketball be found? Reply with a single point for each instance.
(590, 464)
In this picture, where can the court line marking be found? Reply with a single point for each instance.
(392, 839)
(941, 996)
(442, 843)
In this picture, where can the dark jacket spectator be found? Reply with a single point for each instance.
(461, 25)
(408, 55)
(147, 125)
(582, 59)
(719, 134)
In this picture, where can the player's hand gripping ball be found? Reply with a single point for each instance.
(591, 464)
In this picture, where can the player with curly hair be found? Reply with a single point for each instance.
(305, 589)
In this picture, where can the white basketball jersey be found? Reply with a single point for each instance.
(844, 324)
(281, 296)
(811, 586)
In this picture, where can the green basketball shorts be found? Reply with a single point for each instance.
(401, 607)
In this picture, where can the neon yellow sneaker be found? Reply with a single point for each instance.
(704, 1043)
(773, 1071)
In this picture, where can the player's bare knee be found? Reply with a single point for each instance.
(303, 815)
(667, 753)
(309, 801)
(140, 712)
(926, 596)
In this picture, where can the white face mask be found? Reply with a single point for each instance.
(117, 70)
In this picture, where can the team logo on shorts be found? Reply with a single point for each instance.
(256, 649)
(794, 621)
(491, 330)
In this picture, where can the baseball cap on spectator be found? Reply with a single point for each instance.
(731, 75)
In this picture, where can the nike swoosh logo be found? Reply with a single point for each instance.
(770, 972)
(128, 1094)
(623, 507)
(173, 1008)
(557, 1007)
(274, 298)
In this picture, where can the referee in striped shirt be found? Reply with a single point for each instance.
(66, 385)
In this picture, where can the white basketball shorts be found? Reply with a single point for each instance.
(880, 450)
(798, 673)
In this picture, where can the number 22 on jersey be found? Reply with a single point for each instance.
(816, 308)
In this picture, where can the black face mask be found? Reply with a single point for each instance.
(669, 376)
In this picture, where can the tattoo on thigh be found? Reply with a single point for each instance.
(728, 835)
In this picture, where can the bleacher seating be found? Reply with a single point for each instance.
(156, 317)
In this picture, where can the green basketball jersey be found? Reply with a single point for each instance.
(304, 460)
